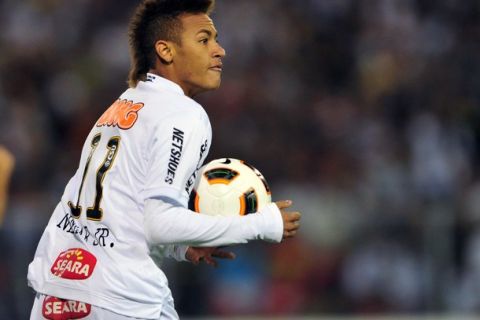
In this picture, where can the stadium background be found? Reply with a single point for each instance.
(366, 113)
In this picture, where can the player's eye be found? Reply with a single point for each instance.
(204, 41)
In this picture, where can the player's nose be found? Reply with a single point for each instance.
(219, 51)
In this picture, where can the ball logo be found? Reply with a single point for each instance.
(75, 264)
(220, 175)
(59, 309)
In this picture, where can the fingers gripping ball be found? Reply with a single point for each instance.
(228, 187)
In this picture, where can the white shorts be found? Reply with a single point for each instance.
(53, 308)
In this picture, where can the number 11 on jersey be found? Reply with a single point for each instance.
(95, 212)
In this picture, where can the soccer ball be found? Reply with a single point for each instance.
(229, 187)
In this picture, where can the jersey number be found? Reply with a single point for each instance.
(95, 212)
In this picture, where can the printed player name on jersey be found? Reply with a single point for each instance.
(122, 113)
(97, 237)
(74, 264)
(55, 308)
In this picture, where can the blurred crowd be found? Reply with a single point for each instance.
(366, 113)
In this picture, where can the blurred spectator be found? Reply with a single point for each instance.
(7, 163)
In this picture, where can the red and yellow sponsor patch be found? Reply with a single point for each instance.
(74, 264)
(54, 308)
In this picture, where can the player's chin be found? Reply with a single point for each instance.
(213, 83)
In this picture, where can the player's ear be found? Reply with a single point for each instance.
(165, 51)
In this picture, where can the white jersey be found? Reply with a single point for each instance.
(97, 246)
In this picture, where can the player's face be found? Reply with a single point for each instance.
(198, 60)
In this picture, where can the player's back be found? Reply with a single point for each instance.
(94, 248)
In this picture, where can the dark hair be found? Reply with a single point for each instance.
(154, 20)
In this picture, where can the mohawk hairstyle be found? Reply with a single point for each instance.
(157, 20)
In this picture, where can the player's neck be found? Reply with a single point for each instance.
(169, 75)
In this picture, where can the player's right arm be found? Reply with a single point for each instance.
(291, 219)
(168, 223)
(291, 223)
(175, 152)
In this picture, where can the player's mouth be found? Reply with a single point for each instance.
(217, 67)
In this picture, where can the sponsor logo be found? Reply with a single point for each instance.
(175, 154)
(74, 264)
(193, 177)
(122, 113)
(59, 309)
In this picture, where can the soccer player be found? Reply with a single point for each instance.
(126, 206)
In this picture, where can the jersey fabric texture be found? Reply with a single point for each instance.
(139, 160)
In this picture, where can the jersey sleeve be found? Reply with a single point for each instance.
(177, 149)
(159, 252)
(166, 224)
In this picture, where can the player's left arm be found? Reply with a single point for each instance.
(159, 252)
(194, 255)
(207, 254)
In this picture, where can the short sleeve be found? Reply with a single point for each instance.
(176, 151)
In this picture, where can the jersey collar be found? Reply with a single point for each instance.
(161, 82)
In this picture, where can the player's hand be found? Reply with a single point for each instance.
(291, 219)
(207, 254)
